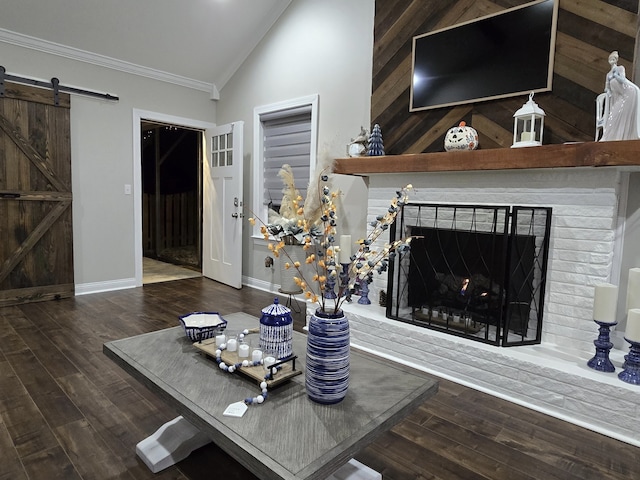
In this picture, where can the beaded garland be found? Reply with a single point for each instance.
(246, 363)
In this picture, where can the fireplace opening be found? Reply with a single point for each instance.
(473, 271)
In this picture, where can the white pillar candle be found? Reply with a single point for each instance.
(605, 301)
(220, 339)
(232, 345)
(345, 248)
(633, 289)
(633, 325)
(256, 355)
(243, 350)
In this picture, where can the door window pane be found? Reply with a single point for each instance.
(222, 150)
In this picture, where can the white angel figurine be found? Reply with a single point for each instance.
(618, 108)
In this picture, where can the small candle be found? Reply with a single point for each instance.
(243, 350)
(232, 345)
(605, 302)
(220, 339)
(633, 289)
(268, 361)
(256, 355)
(527, 136)
(633, 325)
(345, 248)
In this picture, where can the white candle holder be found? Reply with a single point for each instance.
(232, 345)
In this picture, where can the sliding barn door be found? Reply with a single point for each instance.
(36, 249)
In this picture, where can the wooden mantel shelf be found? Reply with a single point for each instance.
(589, 154)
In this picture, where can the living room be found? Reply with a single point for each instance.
(297, 58)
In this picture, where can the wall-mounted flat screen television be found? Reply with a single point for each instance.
(502, 55)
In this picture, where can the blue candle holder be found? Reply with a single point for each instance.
(631, 372)
(329, 287)
(364, 292)
(603, 345)
(344, 281)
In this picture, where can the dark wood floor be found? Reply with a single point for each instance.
(68, 412)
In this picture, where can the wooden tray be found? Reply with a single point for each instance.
(257, 373)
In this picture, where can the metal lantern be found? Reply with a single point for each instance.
(528, 125)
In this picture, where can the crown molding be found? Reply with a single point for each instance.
(72, 53)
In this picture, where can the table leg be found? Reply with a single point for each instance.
(175, 440)
(171, 443)
(354, 470)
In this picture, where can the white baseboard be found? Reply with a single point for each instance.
(269, 287)
(108, 286)
(124, 283)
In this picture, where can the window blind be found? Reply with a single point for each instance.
(287, 140)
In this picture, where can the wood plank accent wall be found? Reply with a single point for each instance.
(588, 30)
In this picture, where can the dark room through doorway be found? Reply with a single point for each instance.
(171, 201)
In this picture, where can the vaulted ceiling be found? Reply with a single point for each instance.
(203, 40)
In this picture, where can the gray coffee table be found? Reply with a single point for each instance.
(288, 436)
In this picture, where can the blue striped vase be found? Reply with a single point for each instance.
(327, 366)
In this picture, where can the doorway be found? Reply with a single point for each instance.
(171, 201)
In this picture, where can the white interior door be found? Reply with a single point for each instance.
(222, 205)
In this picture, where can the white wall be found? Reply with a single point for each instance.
(315, 47)
(102, 154)
(631, 250)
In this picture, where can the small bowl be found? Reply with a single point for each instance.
(200, 326)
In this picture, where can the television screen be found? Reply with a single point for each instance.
(501, 55)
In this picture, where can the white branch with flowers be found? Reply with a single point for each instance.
(313, 223)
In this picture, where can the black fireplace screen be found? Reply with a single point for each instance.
(473, 271)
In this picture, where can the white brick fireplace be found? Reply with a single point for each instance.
(595, 228)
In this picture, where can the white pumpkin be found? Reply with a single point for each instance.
(461, 138)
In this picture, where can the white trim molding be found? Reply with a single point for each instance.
(72, 53)
(107, 286)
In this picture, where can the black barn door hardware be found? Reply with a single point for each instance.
(53, 85)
